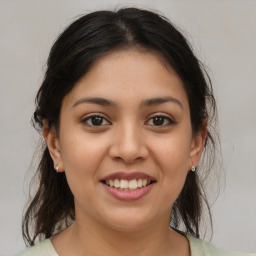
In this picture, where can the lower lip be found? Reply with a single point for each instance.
(129, 195)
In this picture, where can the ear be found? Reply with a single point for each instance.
(197, 146)
(53, 144)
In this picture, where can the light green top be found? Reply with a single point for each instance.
(197, 247)
(201, 248)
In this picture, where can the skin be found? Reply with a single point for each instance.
(127, 140)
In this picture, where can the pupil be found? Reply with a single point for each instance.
(158, 121)
(97, 120)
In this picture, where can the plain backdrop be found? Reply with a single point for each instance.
(223, 34)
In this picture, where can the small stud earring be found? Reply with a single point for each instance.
(193, 169)
(57, 168)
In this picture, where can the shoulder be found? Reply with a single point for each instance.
(201, 248)
(43, 248)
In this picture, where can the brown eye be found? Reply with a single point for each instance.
(160, 121)
(96, 121)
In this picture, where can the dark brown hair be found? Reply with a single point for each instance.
(75, 50)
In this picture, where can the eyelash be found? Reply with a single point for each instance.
(89, 118)
(167, 121)
(88, 121)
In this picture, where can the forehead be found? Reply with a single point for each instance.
(122, 75)
(125, 58)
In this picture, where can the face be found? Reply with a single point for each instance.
(125, 141)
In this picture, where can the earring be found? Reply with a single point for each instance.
(57, 168)
(193, 169)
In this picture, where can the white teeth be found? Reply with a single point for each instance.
(124, 184)
(127, 184)
(133, 184)
(116, 183)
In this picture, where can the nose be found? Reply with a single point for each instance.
(129, 144)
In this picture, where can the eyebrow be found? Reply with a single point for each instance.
(110, 103)
(95, 100)
(161, 100)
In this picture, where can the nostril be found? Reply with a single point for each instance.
(128, 149)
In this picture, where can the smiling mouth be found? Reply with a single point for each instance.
(128, 185)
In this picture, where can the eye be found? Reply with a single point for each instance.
(95, 120)
(160, 121)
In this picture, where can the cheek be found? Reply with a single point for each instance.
(173, 156)
(81, 157)
(173, 153)
(81, 151)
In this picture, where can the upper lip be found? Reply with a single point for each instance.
(128, 176)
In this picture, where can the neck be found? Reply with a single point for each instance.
(114, 242)
(91, 238)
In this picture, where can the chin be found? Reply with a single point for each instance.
(128, 221)
(126, 226)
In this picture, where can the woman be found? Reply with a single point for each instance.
(125, 111)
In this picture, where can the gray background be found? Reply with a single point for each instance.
(223, 33)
